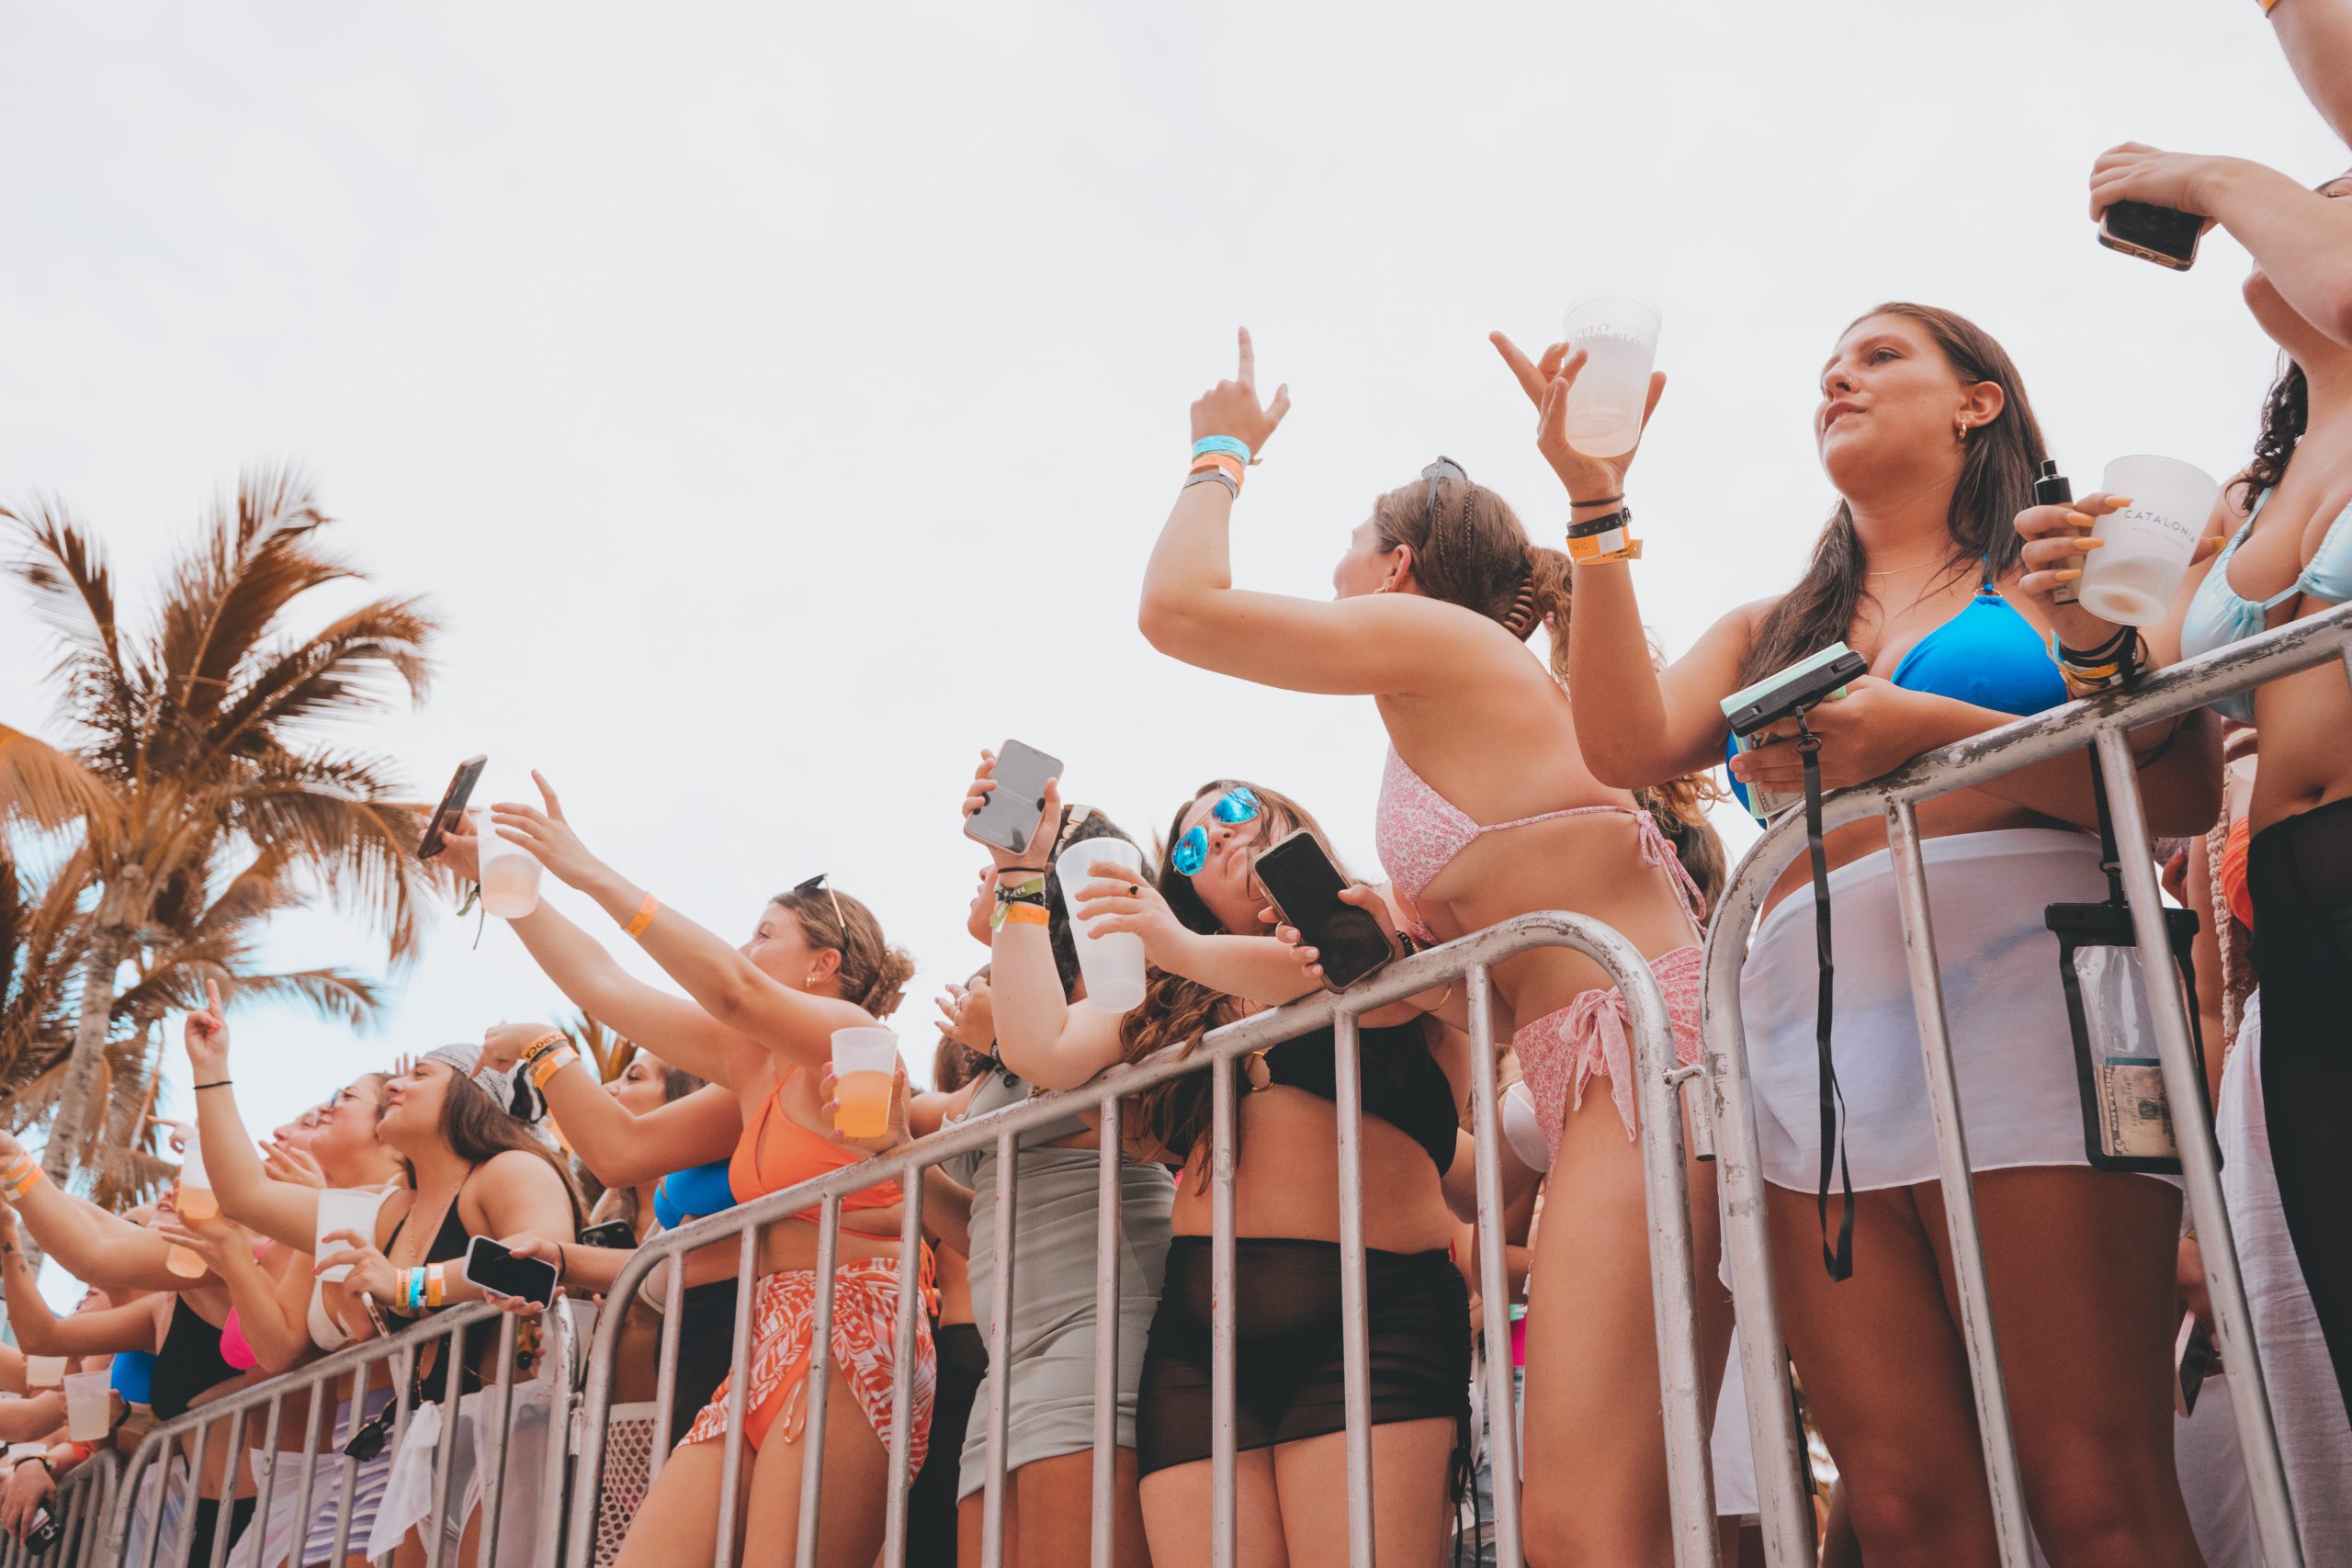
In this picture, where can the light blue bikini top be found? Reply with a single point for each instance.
(2218, 616)
(1988, 656)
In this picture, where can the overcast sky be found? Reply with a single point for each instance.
(779, 403)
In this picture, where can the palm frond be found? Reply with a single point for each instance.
(348, 671)
(74, 591)
(225, 595)
(44, 786)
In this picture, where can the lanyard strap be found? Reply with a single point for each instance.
(1839, 1260)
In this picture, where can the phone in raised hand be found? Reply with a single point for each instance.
(452, 807)
(1009, 818)
(1305, 887)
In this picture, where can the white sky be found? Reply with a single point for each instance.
(779, 403)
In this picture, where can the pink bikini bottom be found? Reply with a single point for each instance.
(1562, 1051)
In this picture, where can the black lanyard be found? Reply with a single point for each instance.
(1838, 1261)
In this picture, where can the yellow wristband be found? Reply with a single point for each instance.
(436, 1285)
(643, 917)
(1027, 915)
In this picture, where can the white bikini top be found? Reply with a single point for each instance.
(325, 1332)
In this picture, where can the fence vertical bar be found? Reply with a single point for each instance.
(445, 1453)
(235, 1454)
(490, 1465)
(665, 1378)
(350, 1468)
(819, 1383)
(904, 1338)
(194, 1494)
(266, 1483)
(1494, 1276)
(1994, 1430)
(1355, 1334)
(1223, 1520)
(739, 1382)
(1110, 1256)
(1000, 1376)
(2200, 1160)
(403, 1379)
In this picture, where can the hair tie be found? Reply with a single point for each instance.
(1521, 621)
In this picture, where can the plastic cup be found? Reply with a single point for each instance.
(509, 874)
(2132, 579)
(44, 1371)
(1618, 331)
(865, 1058)
(342, 1209)
(195, 1200)
(89, 1406)
(1111, 965)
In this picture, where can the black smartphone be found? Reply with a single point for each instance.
(2164, 235)
(453, 805)
(1304, 885)
(2192, 1359)
(612, 1233)
(489, 1265)
(1009, 819)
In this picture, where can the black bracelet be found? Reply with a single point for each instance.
(216, 1083)
(1598, 501)
(1620, 518)
(1024, 870)
(2109, 650)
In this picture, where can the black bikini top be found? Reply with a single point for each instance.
(1403, 1085)
(189, 1362)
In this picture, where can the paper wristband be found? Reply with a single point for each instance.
(643, 917)
(1027, 915)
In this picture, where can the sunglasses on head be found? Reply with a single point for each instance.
(819, 883)
(1236, 806)
(1443, 468)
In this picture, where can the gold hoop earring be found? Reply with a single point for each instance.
(1959, 430)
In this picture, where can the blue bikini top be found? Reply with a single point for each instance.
(1987, 655)
(2218, 616)
(693, 1194)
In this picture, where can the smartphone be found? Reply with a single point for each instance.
(489, 1265)
(2192, 1359)
(2161, 234)
(453, 805)
(612, 1233)
(1304, 885)
(1009, 819)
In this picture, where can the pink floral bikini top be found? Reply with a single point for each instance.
(1418, 832)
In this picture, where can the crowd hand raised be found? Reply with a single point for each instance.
(2135, 171)
(1231, 408)
(179, 1133)
(545, 833)
(537, 1246)
(460, 849)
(2054, 536)
(503, 1043)
(894, 1132)
(372, 1273)
(1868, 732)
(968, 1015)
(1041, 842)
(207, 1037)
(296, 1167)
(211, 1240)
(1119, 900)
(1547, 381)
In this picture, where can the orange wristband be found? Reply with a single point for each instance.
(1027, 915)
(643, 917)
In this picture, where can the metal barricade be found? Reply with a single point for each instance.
(78, 1510)
(335, 1394)
(2101, 723)
(1469, 961)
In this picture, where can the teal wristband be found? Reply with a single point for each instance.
(1232, 445)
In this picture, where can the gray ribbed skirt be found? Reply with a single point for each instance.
(1050, 1408)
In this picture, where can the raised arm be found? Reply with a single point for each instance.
(620, 1147)
(277, 1330)
(95, 1246)
(41, 1332)
(2317, 37)
(727, 986)
(33, 1417)
(282, 1210)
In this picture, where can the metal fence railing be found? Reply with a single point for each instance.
(1470, 961)
(2102, 724)
(78, 1510)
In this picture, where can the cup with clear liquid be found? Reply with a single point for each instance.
(44, 1371)
(194, 1200)
(89, 1406)
(1618, 331)
(343, 1208)
(1112, 965)
(2133, 577)
(865, 1060)
(510, 874)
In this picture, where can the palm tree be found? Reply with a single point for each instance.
(205, 796)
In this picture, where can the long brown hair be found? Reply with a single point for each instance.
(2286, 414)
(1175, 1114)
(1995, 484)
(477, 1130)
(1470, 548)
(873, 974)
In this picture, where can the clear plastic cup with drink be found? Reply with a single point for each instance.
(1112, 965)
(1618, 331)
(89, 1406)
(865, 1060)
(343, 1208)
(193, 1201)
(509, 874)
(2133, 577)
(44, 1371)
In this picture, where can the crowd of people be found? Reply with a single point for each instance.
(1513, 784)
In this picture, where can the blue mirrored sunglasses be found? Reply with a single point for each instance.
(1236, 806)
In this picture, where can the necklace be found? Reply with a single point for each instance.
(1889, 571)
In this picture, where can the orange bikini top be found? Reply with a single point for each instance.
(776, 1152)
(2232, 871)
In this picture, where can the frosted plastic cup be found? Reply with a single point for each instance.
(195, 1200)
(1618, 331)
(342, 1209)
(89, 1406)
(1111, 965)
(509, 874)
(44, 1371)
(865, 1058)
(2133, 579)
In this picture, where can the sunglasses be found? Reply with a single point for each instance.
(818, 884)
(1236, 806)
(1443, 468)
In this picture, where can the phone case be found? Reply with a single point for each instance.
(1009, 818)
